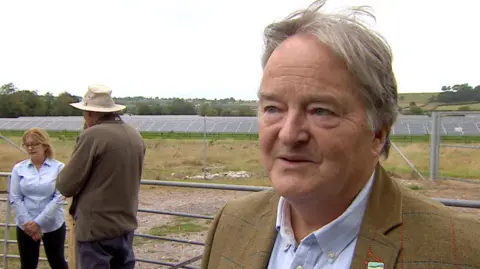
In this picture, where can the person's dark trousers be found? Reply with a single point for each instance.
(114, 253)
(53, 242)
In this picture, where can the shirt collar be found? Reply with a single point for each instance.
(47, 162)
(335, 236)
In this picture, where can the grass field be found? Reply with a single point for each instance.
(175, 159)
(71, 135)
(422, 100)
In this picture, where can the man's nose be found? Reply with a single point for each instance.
(294, 129)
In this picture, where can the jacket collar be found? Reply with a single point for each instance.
(383, 213)
(109, 118)
(336, 235)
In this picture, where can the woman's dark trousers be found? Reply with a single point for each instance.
(53, 243)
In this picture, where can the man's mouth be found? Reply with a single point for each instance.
(295, 159)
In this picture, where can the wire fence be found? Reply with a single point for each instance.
(440, 126)
(183, 264)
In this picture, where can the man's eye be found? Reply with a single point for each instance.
(321, 112)
(270, 109)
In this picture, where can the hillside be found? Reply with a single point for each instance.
(420, 98)
(460, 97)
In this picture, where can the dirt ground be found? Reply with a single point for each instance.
(207, 202)
(450, 189)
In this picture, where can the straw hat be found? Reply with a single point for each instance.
(98, 99)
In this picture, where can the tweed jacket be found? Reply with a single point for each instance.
(401, 229)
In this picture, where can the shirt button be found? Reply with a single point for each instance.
(331, 255)
(299, 267)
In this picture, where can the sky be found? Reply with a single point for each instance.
(211, 48)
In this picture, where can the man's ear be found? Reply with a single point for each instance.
(379, 141)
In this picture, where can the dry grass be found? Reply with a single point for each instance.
(430, 106)
(175, 159)
(475, 106)
(171, 159)
(454, 162)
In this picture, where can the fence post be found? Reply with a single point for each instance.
(434, 146)
(71, 241)
(204, 146)
(7, 222)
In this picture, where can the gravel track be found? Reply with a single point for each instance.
(193, 201)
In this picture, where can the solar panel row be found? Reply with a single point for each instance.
(405, 125)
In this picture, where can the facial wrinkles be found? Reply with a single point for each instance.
(309, 70)
(294, 134)
(309, 63)
(337, 149)
(315, 74)
(292, 76)
(294, 119)
(309, 90)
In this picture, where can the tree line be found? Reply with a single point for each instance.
(15, 102)
(460, 93)
(180, 106)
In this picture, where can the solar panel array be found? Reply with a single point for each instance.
(449, 126)
(405, 125)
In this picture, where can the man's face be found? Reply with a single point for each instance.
(89, 119)
(315, 139)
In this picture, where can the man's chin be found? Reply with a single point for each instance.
(292, 186)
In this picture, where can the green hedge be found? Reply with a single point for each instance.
(218, 136)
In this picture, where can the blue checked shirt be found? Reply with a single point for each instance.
(33, 195)
(330, 247)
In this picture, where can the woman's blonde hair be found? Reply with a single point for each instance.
(41, 137)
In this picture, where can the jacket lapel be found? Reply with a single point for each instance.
(263, 239)
(383, 213)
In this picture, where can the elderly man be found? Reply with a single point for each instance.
(327, 102)
(103, 176)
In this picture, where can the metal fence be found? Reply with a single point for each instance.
(184, 264)
(436, 130)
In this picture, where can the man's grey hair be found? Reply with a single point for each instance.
(365, 52)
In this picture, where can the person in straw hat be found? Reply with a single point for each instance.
(103, 177)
